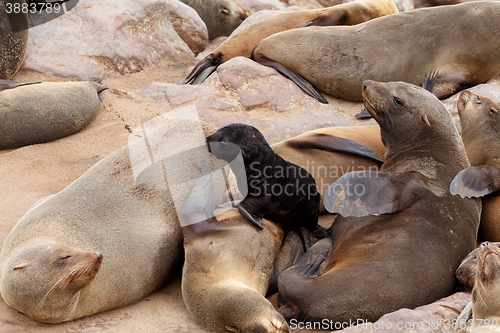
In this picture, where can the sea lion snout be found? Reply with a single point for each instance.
(99, 257)
(366, 83)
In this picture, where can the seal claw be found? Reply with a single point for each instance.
(257, 221)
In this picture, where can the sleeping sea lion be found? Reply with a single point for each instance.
(104, 242)
(483, 313)
(13, 40)
(337, 59)
(276, 189)
(242, 43)
(42, 112)
(368, 266)
(480, 122)
(220, 16)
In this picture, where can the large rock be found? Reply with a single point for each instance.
(99, 38)
(242, 91)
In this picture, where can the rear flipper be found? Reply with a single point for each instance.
(202, 70)
(477, 181)
(8, 84)
(303, 84)
(310, 266)
(337, 18)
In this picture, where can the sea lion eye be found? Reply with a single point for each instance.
(398, 102)
(479, 100)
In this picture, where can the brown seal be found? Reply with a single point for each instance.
(483, 313)
(227, 267)
(220, 16)
(43, 112)
(480, 122)
(337, 59)
(48, 263)
(242, 42)
(13, 40)
(368, 267)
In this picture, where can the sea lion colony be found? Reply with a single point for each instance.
(366, 265)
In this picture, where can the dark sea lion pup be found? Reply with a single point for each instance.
(480, 122)
(368, 266)
(277, 190)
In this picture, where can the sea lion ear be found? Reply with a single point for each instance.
(231, 329)
(426, 120)
(363, 193)
(21, 266)
(477, 181)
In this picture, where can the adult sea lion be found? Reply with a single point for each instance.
(368, 267)
(243, 42)
(220, 16)
(483, 313)
(49, 268)
(13, 39)
(480, 122)
(43, 112)
(276, 189)
(227, 267)
(337, 59)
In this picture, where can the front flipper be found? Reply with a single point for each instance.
(363, 193)
(429, 82)
(334, 144)
(336, 18)
(363, 114)
(303, 84)
(477, 181)
(256, 220)
(202, 70)
(9, 84)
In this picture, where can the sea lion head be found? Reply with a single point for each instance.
(239, 137)
(480, 122)
(487, 281)
(47, 280)
(409, 116)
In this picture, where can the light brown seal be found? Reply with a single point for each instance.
(13, 40)
(48, 264)
(466, 272)
(38, 113)
(220, 16)
(483, 313)
(227, 267)
(337, 59)
(369, 267)
(480, 122)
(242, 42)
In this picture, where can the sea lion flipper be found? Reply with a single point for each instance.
(429, 82)
(8, 84)
(302, 83)
(363, 114)
(335, 18)
(334, 143)
(477, 181)
(363, 193)
(257, 221)
(202, 70)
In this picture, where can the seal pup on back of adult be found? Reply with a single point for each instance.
(480, 122)
(49, 268)
(337, 59)
(227, 267)
(220, 16)
(242, 43)
(368, 266)
(278, 190)
(482, 315)
(43, 112)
